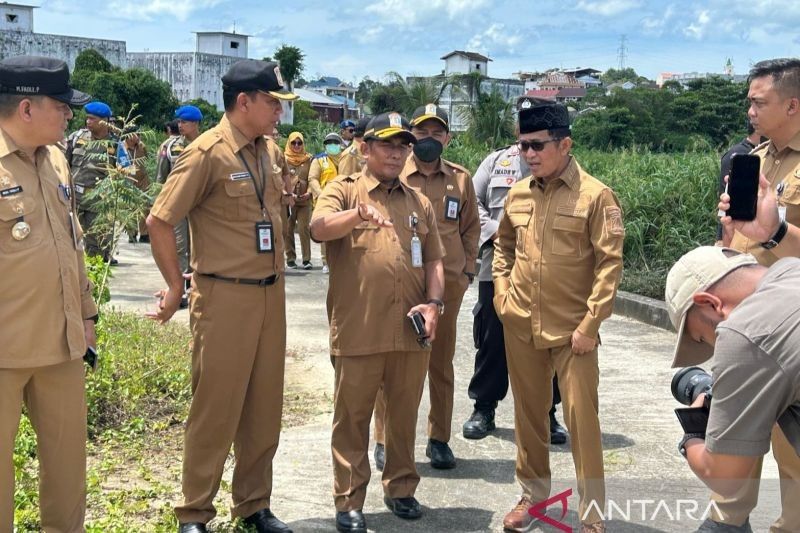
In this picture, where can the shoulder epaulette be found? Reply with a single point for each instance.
(208, 139)
(455, 166)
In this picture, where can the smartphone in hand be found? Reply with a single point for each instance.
(743, 186)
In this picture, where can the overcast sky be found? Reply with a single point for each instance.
(353, 39)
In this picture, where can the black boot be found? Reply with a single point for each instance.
(558, 434)
(479, 424)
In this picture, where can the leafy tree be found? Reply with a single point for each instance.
(91, 60)
(304, 112)
(491, 119)
(365, 88)
(291, 61)
(614, 75)
(386, 97)
(211, 115)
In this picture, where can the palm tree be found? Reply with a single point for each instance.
(419, 91)
(491, 118)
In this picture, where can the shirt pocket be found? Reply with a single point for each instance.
(365, 237)
(11, 210)
(241, 202)
(520, 222)
(498, 190)
(568, 234)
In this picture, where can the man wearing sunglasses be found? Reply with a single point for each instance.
(348, 128)
(489, 384)
(557, 264)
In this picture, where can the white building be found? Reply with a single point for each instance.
(461, 62)
(195, 74)
(18, 38)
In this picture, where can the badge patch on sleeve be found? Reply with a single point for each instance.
(612, 217)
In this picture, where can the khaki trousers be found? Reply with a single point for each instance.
(56, 401)
(95, 242)
(239, 334)
(357, 380)
(441, 377)
(531, 375)
(736, 509)
(301, 218)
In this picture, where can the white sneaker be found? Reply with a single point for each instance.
(324, 269)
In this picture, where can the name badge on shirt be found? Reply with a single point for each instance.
(451, 206)
(11, 191)
(264, 237)
(238, 176)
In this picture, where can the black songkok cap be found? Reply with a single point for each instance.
(551, 116)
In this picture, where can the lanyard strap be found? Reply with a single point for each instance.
(263, 176)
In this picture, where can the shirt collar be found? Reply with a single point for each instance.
(794, 144)
(8, 146)
(411, 168)
(373, 183)
(570, 175)
(234, 135)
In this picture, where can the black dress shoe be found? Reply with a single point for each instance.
(192, 527)
(479, 424)
(266, 522)
(440, 454)
(351, 521)
(558, 434)
(405, 508)
(380, 456)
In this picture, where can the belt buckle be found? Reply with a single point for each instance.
(266, 282)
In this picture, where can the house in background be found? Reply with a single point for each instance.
(338, 90)
(329, 108)
(461, 62)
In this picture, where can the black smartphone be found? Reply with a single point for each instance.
(418, 323)
(693, 419)
(743, 186)
(90, 357)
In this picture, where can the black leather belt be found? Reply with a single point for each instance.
(244, 281)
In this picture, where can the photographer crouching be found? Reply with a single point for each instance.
(723, 303)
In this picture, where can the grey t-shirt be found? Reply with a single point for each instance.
(756, 367)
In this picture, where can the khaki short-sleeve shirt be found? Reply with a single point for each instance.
(212, 185)
(46, 294)
(373, 284)
(558, 257)
(452, 195)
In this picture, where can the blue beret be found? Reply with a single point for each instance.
(347, 124)
(189, 113)
(98, 109)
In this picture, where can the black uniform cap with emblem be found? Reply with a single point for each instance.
(39, 76)
(388, 125)
(430, 112)
(548, 116)
(526, 102)
(254, 75)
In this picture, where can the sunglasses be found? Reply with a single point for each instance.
(297, 143)
(350, 130)
(536, 146)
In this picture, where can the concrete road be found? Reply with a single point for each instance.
(650, 488)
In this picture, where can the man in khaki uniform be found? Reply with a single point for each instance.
(449, 188)
(557, 264)
(230, 186)
(91, 152)
(774, 96)
(131, 156)
(352, 160)
(47, 313)
(385, 256)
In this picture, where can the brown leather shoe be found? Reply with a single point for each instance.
(518, 519)
(596, 527)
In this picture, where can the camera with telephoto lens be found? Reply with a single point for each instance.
(689, 383)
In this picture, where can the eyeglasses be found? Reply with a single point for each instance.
(297, 143)
(536, 146)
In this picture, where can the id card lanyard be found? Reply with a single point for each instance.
(416, 244)
(263, 228)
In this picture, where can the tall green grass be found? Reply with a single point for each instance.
(669, 207)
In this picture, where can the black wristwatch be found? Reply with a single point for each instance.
(686, 438)
(439, 304)
(783, 227)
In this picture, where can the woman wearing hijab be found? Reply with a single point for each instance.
(299, 162)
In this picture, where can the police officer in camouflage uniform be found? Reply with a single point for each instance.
(188, 118)
(494, 178)
(91, 151)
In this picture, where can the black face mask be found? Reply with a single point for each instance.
(428, 149)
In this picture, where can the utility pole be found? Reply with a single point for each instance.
(622, 52)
